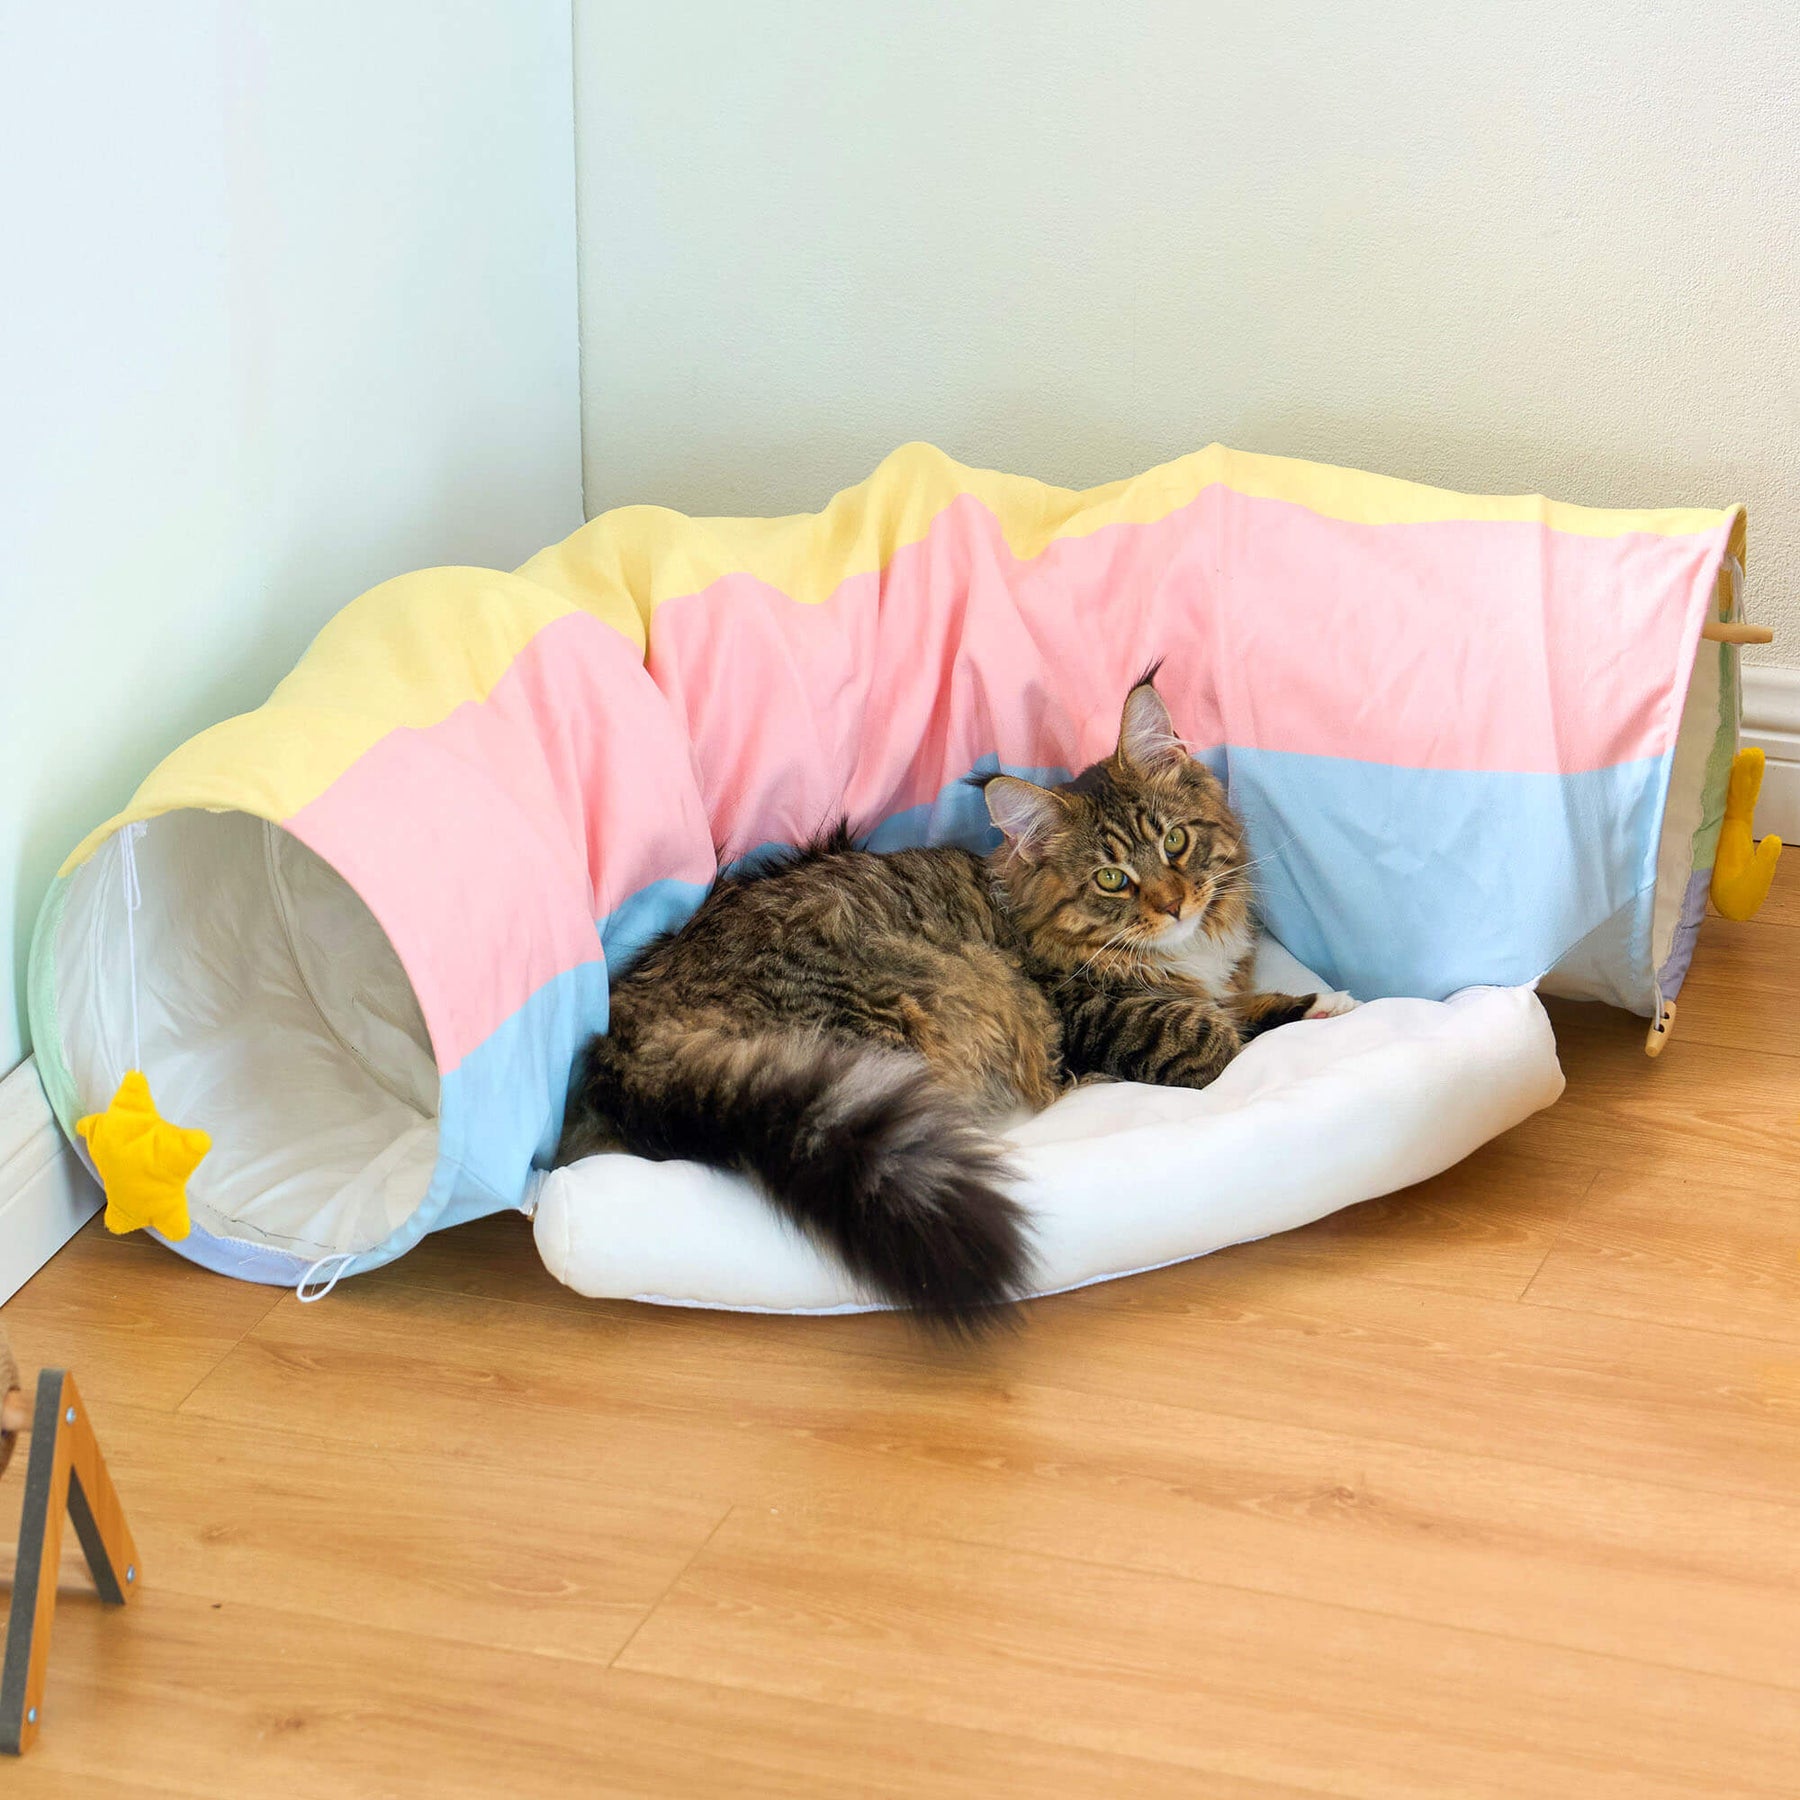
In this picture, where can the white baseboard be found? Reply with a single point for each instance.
(1772, 722)
(46, 1196)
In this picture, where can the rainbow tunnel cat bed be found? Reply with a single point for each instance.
(1477, 742)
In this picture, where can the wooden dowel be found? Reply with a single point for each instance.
(1735, 631)
(15, 1412)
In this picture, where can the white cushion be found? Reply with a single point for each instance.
(1118, 1177)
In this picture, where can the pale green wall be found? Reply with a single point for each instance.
(1497, 244)
(288, 306)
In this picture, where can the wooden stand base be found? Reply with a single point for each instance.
(66, 1474)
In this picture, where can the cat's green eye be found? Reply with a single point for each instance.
(1175, 840)
(1111, 881)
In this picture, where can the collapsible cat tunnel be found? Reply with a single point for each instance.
(1476, 741)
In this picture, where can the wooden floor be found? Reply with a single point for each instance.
(1491, 1488)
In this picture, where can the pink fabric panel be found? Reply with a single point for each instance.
(1282, 630)
(489, 844)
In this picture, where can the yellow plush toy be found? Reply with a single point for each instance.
(144, 1161)
(1743, 868)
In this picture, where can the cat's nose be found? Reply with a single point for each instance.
(1171, 904)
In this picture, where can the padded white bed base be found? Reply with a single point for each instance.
(1118, 1177)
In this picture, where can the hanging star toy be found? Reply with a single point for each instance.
(1744, 869)
(144, 1161)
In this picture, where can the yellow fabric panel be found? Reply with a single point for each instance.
(645, 555)
(407, 653)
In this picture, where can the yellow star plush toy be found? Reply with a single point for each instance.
(144, 1161)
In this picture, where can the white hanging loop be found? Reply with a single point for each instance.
(343, 1259)
(134, 898)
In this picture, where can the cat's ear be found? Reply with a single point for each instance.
(1148, 741)
(1025, 812)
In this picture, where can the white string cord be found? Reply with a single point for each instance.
(343, 1258)
(134, 898)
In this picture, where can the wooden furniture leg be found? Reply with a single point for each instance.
(66, 1473)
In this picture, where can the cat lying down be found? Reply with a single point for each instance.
(851, 1029)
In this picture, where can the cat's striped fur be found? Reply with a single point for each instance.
(847, 1027)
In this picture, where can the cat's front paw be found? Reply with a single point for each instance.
(1330, 1005)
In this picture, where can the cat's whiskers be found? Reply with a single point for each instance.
(1256, 862)
(1088, 963)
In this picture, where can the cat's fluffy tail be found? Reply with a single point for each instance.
(857, 1145)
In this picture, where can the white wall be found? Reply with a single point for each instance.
(1503, 245)
(287, 307)
(287, 296)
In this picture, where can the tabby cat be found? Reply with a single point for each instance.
(847, 1027)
